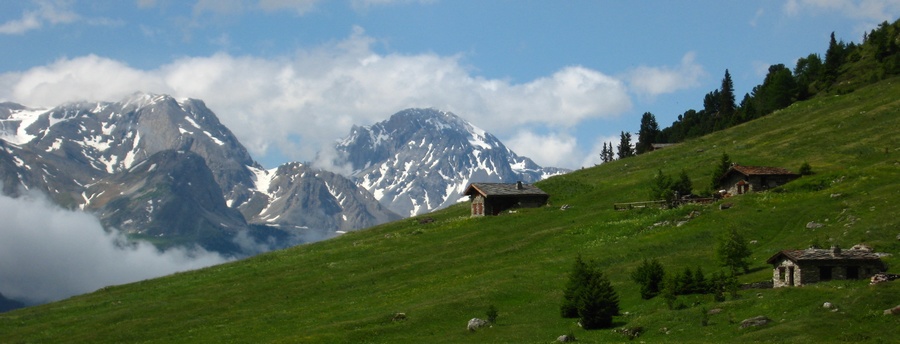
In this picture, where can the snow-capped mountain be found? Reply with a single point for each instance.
(152, 165)
(423, 159)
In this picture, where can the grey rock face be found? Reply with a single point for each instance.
(203, 186)
(423, 159)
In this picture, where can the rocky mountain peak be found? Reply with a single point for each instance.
(420, 160)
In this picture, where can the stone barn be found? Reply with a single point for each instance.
(741, 179)
(493, 198)
(799, 267)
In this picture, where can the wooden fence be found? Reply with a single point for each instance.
(660, 204)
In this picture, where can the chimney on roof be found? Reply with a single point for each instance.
(519, 185)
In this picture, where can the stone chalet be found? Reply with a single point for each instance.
(799, 267)
(741, 179)
(493, 198)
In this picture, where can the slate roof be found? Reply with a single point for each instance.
(816, 254)
(502, 189)
(759, 170)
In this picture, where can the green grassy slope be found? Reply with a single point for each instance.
(442, 274)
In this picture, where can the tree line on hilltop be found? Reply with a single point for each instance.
(845, 67)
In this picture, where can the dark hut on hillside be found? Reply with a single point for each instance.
(741, 179)
(493, 198)
(799, 267)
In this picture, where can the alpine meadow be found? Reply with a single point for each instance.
(421, 279)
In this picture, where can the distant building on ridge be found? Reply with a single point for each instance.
(493, 198)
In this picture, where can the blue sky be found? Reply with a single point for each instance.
(552, 79)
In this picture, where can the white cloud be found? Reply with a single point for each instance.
(52, 12)
(760, 69)
(48, 253)
(652, 81)
(554, 149)
(304, 102)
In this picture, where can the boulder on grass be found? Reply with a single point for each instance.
(755, 321)
(476, 324)
(565, 338)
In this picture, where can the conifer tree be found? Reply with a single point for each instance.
(577, 279)
(719, 171)
(589, 296)
(606, 154)
(647, 134)
(683, 186)
(625, 149)
(649, 275)
(726, 96)
(597, 302)
(701, 286)
(834, 58)
(733, 252)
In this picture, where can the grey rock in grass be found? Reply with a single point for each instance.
(565, 339)
(476, 324)
(755, 321)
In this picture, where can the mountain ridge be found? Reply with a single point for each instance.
(77, 151)
(412, 281)
(420, 160)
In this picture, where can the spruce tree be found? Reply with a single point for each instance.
(701, 285)
(606, 154)
(649, 275)
(647, 134)
(733, 252)
(726, 96)
(661, 187)
(597, 302)
(683, 186)
(719, 171)
(834, 58)
(625, 149)
(577, 280)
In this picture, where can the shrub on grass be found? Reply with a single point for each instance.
(805, 169)
(491, 314)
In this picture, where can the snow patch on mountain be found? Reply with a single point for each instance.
(421, 160)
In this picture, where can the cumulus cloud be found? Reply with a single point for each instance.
(553, 149)
(47, 253)
(303, 102)
(653, 81)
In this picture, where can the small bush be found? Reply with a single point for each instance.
(805, 169)
(491, 314)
